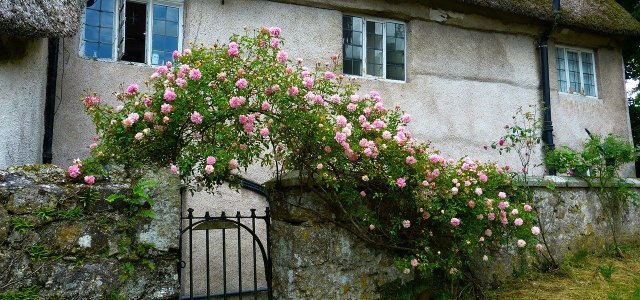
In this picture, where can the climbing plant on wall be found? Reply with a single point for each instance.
(217, 110)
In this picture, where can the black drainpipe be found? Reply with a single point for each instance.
(547, 124)
(50, 100)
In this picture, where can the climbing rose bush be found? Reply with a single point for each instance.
(215, 111)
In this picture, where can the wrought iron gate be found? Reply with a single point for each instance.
(218, 229)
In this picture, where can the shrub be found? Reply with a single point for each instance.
(220, 109)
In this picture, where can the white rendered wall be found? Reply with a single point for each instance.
(23, 82)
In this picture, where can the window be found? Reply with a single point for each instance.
(373, 48)
(145, 31)
(576, 71)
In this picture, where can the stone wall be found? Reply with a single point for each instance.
(314, 258)
(59, 241)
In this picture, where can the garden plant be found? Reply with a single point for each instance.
(216, 110)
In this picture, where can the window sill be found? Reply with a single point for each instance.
(374, 78)
(576, 96)
(121, 62)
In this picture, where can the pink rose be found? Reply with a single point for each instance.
(455, 221)
(195, 74)
(518, 222)
(233, 164)
(196, 117)
(406, 223)
(275, 31)
(132, 89)
(89, 179)
(535, 230)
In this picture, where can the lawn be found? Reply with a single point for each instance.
(583, 276)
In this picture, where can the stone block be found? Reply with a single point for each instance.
(27, 200)
(164, 229)
(5, 224)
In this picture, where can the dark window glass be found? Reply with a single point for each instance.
(395, 51)
(135, 27)
(588, 74)
(374, 48)
(352, 45)
(562, 72)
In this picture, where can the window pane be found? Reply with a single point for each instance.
(91, 49)
(95, 5)
(104, 50)
(106, 19)
(171, 29)
(357, 67)
(92, 17)
(348, 51)
(588, 73)
(108, 5)
(98, 31)
(159, 12)
(91, 33)
(157, 42)
(395, 51)
(170, 44)
(395, 72)
(374, 56)
(574, 72)
(560, 66)
(105, 35)
(374, 69)
(165, 33)
(347, 66)
(172, 14)
(357, 52)
(357, 38)
(158, 27)
(347, 23)
(352, 45)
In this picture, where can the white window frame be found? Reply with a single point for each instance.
(384, 48)
(179, 4)
(566, 72)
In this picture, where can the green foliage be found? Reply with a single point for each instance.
(28, 293)
(606, 271)
(71, 213)
(89, 198)
(38, 252)
(114, 295)
(522, 136)
(216, 110)
(578, 259)
(139, 202)
(21, 224)
(45, 213)
(127, 271)
(599, 164)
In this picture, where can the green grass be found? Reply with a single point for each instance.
(583, 276)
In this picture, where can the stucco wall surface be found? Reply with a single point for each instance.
(462, 84)
(23, 82)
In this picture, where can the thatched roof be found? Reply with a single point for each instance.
(604, 16)
(40, 18)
